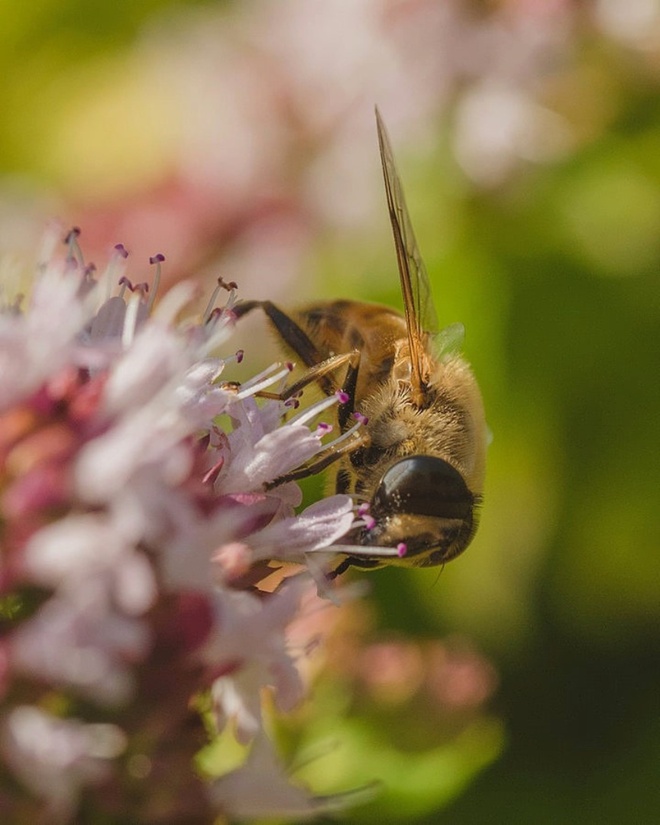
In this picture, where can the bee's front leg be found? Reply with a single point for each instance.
(320, 370)
(350, 385)
(320, 366)
(352, 561)
(293, 335)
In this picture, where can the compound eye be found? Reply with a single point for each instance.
(423, 485)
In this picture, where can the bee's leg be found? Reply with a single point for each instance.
(320, 369)
(342, 482)
(289, 331)
(300, 343)
(321, 373)
(350, 385)
(351, 561)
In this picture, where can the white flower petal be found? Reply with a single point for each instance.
(54, 757)
(261, 788)
(315, 528)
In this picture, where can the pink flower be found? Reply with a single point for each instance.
(261, 449)
(83, 645)
(118, 493)
(251, 643)
(262, 788)
(57, 758)
(318, 527)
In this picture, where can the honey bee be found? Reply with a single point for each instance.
(420, 461)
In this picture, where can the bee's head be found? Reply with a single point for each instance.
(424, 502)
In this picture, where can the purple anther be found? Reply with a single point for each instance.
(239, 355)
(401, 549)
(227, 285)
(157, 259)
(362, 419)
(342, 397)
(119, 247)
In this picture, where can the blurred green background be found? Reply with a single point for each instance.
(238, 138)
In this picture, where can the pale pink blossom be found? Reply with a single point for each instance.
(318, 527)
(82, 644)
(119, 491)
(89, 550)
(57, 757)
(38, 342)
(251, 641)
(262, 788)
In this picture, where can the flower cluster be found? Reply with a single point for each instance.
(139, 492)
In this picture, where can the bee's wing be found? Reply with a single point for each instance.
(419, 311)
(448, 341)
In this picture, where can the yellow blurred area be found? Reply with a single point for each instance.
(112, 130)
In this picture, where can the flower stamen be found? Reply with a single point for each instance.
(130, 320)
(74, 252)
(210, 312)
(263, 379)
(350, 432)
(157, 260)
(317, 408)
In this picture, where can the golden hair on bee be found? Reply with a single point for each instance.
(419, 463)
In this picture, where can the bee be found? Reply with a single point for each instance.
(420, 461)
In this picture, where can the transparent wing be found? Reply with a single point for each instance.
(419, 311)
(448, 341)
